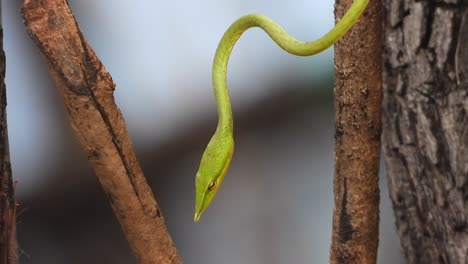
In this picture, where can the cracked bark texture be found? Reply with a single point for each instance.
(425, 130)
(87, 90)
(358, 100)
(8, 245)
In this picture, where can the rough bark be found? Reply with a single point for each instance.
(357, 148)
(426, 126)
(8, 246)
(87, 90)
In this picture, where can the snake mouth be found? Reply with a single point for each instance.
(197, 216)
(199, 208)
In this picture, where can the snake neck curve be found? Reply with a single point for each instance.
(282, 39)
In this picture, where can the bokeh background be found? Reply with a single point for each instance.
(275, 205)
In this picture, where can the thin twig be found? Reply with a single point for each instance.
(87, 90)
(358, 127)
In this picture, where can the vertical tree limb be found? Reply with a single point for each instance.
(8, 246)
(87, 90)
(425, 136)
(358, 128)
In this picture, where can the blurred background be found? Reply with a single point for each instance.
(275, 205)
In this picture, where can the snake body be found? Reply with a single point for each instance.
(217, 156)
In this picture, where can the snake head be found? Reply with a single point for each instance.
(213, 166)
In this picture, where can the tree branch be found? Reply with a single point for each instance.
(8, 245)
(358, 128)
(87, 90)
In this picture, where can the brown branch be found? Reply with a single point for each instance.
(8, 245)
(357, 149)
(87, 90)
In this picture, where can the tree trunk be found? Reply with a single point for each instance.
(425, 126)
(8, 253)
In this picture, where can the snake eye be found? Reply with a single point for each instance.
(211, 185)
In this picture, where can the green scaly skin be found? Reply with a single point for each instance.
(218, 153)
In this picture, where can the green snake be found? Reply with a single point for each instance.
(217, 156)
